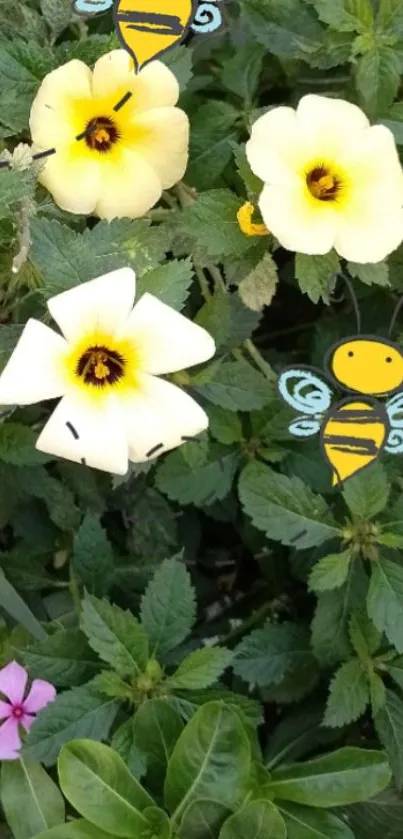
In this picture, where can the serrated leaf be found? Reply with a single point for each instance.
(110, 684)
(234, 385)
(211, 223)
(370, 273)
(364, 636)
(385, 600)
(258, 288)
(348, 696)
(211, 136)
(170, 282)
(58, 14)
(378, 77)
(367, 495)
(330, 639)
(14, 186)
(252, 183)
(390, 16)
(345, 15)
(315, 274)
(115, 635)
(288, 30)
(389, 726)
(200, 669)
(331, 571)
(377, 691)
(93, 556)
(31, 801)
(64, 658)
(168, 607)
(227, 319)
(200, 485)
(180, 62)
(241, 72)
(265, 656)
(224, 426)
(75, 713)
(285, 508)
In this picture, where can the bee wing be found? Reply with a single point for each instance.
(394, 410)
(208, 18)
(91, 7)
(305, 391)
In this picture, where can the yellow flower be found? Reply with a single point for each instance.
(331, 180)
(244, 216)
(131, 147)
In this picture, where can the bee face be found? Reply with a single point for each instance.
(367, 366)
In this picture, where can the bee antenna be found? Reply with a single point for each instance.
(394, 316)
(352, 294)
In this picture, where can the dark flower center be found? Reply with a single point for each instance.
(322, 184)
(18, 712)
(101, 133)
(99, 366)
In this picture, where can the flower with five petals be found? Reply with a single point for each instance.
(19, 710)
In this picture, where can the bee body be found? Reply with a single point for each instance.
(353, 435)
(148, 28)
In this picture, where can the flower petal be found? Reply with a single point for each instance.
(39, 696)
(276, 149)
(13, 679)
(35, 370)
(298, 222)
(89, 431)
(5, 710)
(26, 721)
(332, 117)
(10, 741)
(74, 180)
(103, 303)
(153, 87)
(165, 340)
(370, 231)
(158, 415)
(373, 163)
(50, 118)
(129, 186)
(161, 138)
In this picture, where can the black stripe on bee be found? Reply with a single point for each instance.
(355, 415)
(359, 445)
(158, 24)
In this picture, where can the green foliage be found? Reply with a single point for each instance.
(168, 608)
(30, 799)
(115, 635)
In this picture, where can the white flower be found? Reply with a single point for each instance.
(114, 408)
(331, 180)
(134, 141)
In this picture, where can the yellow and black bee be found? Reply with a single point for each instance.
(355, 430)
(148, 28)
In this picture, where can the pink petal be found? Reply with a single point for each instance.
(26, 720)
(5, 710)
(41, 694)
(10, 741)
(13, 679)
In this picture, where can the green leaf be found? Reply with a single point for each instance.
(211, 759)
(381, 816)
(257, 820)
(170, 282)
(77, 829)
(93, 556)
(389, 726)
(364, 636)
(346, 15)
(288, 29)
(264, 657)
(75, 713)
(15, 606)
(331, 571)
(395, 669)
(224, 425)
(349, 695)
(179, 62)
(285, 508)
(378, 77)
(330, 637)
(200, 485)
(211, 135)
(234, 385)
(377, 691)
(241, 72)
(390, 16)
(115, 635)
(200, 669)
(252, 183)
(31, 800)
(100, 787)
(63, 658)
(307, 823)
(385, 600)
(203, 819)
(110, 684)
(124, 744)
(227, 319)
(315, 274)
(211, 223)
(258, 288)
(370, 273)
(17, 445)
(298, 734)
(343, 777)
(58, 14)
(156, 728)
(367, 495)
(168, 607)
(158, 821)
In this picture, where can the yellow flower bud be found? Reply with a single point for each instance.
(244, 216)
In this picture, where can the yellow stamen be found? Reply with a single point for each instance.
(244, 216)
(101, 136)
(325, 184)
(101, 371)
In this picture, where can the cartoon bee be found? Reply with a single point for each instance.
(357, 428)
(148, 28)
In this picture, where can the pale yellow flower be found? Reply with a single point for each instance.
(331, 180)
(130, 153)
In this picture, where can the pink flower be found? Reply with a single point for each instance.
(19, 711)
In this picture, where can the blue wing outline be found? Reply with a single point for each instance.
(208, 17)
(394, 410)
(91, 7)
(309, 395)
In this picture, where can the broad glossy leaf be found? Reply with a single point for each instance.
(257, 820)
(78, 829)
(156, 728)
(31, 800)
(389, 726)
(203, 819)
(307, 823)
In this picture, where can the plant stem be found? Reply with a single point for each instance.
(203, 282)
(260, 362)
